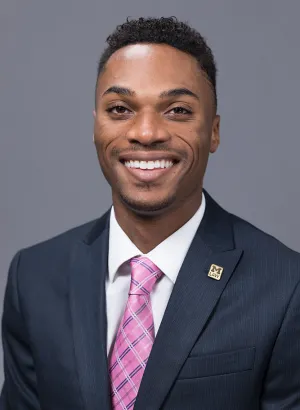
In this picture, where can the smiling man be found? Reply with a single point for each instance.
(167, 301)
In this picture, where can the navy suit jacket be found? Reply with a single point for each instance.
(232, 343)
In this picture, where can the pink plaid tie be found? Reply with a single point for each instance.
(135, 335)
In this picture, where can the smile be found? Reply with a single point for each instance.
(155, 164)
(149, 171)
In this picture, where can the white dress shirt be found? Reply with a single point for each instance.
(168, 256)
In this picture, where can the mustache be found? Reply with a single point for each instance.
(116, 152)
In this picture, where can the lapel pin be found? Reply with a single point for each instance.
(215, 272)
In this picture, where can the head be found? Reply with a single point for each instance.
(156, 119)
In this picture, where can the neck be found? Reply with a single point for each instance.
(146, 232)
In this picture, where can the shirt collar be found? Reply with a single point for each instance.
(168, 256)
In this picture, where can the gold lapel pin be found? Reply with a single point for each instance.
(215, 272)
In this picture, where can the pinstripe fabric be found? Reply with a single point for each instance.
(232, 344)
(135, 336)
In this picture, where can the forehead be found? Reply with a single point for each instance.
(152, 67)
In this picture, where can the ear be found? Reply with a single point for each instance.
(94, 115)
(215, 136)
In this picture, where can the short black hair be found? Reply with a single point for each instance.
(164, 30)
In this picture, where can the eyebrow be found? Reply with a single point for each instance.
(119, 90)
(175, 92)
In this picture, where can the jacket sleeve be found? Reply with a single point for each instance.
(19, 390)
(282, 382)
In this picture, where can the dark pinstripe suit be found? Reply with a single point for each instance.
(232, 343)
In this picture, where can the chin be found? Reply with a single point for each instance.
(147, 206)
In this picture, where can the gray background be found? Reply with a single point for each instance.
(49, 175)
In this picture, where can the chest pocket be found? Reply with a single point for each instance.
(218, 364)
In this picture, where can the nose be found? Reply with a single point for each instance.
(147, 129)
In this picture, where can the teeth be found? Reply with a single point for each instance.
(149, 164)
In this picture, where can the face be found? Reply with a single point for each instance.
(155, 125)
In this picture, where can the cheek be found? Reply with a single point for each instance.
(101, 131)
(104, 140)
(197, 141)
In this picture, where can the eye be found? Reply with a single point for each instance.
(118, 109)
(179, 111)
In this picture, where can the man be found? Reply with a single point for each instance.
(167, 301)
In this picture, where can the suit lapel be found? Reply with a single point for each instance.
(192, 302)
(88, 309)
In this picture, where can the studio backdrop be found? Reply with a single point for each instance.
(49, 175)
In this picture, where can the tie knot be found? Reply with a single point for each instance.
(144, 275)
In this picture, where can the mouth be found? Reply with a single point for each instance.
(149, 170)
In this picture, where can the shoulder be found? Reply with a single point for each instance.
(264, 250)
(45, 266)
(62, 240)
(58, 249)
(251, 236)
